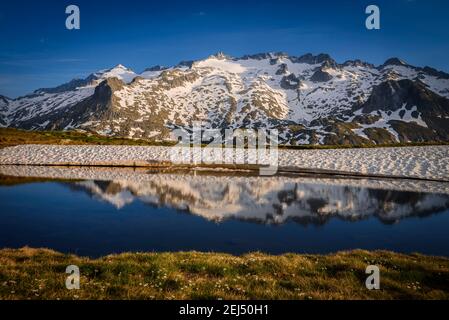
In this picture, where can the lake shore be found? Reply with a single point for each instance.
(40, 274)
(423, 162)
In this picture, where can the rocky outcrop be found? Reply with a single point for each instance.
(283, 69)
(156, 68)
(311, 59)
(393, 62)
(72, 85)
(357, 63)
(380, 136)
(290, 82)
(393, 95)
(321, 76)
(4, 103)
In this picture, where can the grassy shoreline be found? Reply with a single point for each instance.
(40, 274)
(12, 137)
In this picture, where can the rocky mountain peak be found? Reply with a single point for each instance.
(220, 56)
(257, 56)
(311, 59)
(156, 68)
(283, 69)
(435, 73)
(357, 63)
(4, 99)
(121, 66)
(394, 62)
(393, 95)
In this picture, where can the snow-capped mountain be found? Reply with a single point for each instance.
(309, 99)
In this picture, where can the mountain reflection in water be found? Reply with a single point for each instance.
(98, 211)
(267, 201)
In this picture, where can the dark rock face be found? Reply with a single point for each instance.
(156, 68)
(393, 95)
(4, 100)
(106, 88)
(341, 133)
(412, 132)
(380, 135)
(282, 69)
(357, 63)
(95, 108)
(320, 76)
(264, 55)
(274, 61)
(393, 62)
(389, 95)
(72, 85)
(257, 56)
(187, 64)
(435, 73)
(434, 109)
(328, 65)
(366, 119)
(290, 82)
(281, 54)
(136, 80)
(4, 103)
(311, 59)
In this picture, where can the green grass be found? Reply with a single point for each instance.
(40, 274)
(13, 137)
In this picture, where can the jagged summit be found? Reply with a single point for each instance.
(119, 71)
(394, 62)
(311, 59)
(120, 66)
(4, 98)
(117, 68)
(220, 56)
(156, 68)
(358, 63)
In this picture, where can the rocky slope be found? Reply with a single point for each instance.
(309, 99)
(4, 102)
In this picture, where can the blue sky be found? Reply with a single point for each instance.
(36, 50)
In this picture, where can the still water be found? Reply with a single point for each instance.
(221, 213)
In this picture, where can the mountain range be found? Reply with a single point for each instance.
(310, 99)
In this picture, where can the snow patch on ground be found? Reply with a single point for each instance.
(220, 64)
(429, 162)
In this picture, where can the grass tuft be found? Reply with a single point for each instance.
(40, 274)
